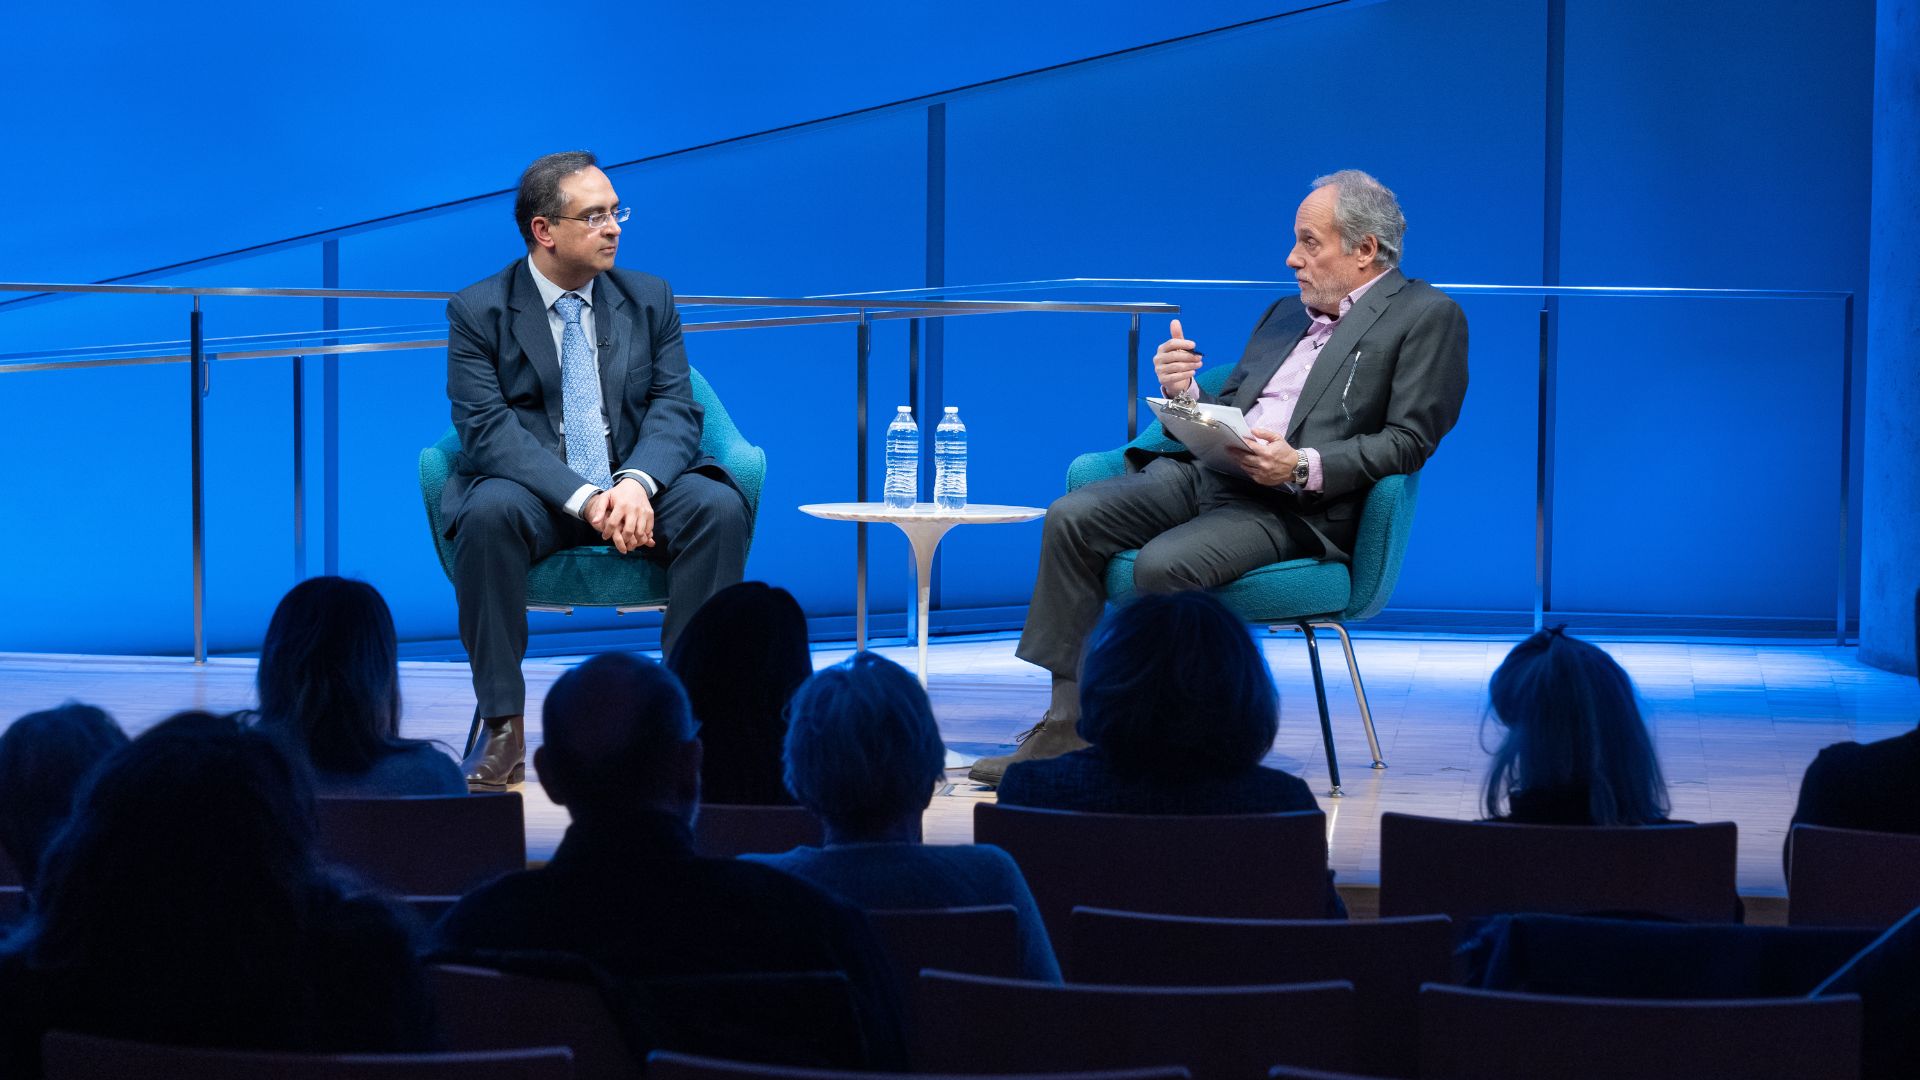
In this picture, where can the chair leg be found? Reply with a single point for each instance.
(473, 732)
(1359, 692)
(1320, 696)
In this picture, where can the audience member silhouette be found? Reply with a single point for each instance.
(1576, 751)
(864, 754)
(183, 904)
(329, 684)
(44, 758)
(741, 656)
(1854, 786)
(1180, 708)
(625, 889)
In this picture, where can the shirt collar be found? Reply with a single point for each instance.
(549, 292)
(1322, 319)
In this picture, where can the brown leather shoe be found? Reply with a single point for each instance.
(1049, 738)
(499, 756)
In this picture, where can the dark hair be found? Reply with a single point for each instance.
(540, 194)
(1173, 685)
(1573, 723)
(608, 724)
(44, 758)
(863, 750)
(191, 851)
(740, 658)
(329, 677)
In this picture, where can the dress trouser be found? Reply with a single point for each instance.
(700, 532)
(1195, 529)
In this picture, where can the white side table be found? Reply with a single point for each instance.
(924, 525)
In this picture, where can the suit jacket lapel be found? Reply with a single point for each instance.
(535, 335)
(1334, 361)
(613, 321)
(1279, 342)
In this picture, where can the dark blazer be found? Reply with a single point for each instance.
(636, 901)
(1085, 780)
(1387, 386)
(503, 378)
(1854, 786)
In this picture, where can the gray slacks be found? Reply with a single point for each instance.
(700, 532)
(1195, 528)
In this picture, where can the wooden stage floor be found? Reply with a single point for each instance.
(1735, 723)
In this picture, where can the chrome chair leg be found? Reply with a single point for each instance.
(1359, 692)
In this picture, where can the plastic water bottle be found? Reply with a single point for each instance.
(950, 462)
(903, 460)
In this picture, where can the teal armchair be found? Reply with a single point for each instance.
(1305, 594)
(596, 575)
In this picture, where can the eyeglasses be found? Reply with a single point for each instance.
(601, 220)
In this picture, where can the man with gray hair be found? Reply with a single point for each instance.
(574, 406)
(1357, 381)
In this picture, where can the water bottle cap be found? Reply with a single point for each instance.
(953, 408)
(903, 408)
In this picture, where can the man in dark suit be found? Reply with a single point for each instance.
(1358, 381)
(577, 425)
(625, 890)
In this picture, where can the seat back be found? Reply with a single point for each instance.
(1850, 877)
(972, 1023)
(1380, 547)
(974, 940)
(1386, 960)
(1230, 866)
(808, 1018)
(723, 830)
(1489, 1035)
(425, 845)
(13, 903)
(1436, 866)
(720, 439)
(69, 1056)
(9, 873)
(1625, 958)
(662, 1065)
(486, 1009)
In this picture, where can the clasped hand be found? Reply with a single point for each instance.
(623, 515)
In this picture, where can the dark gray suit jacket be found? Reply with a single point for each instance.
(503, 378)
(1385, 389)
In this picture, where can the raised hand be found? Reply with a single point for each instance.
(1175, 361)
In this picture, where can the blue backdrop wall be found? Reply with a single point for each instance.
(1698, 442)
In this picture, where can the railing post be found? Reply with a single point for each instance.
(1845, 486)
(862, 336)
(1543, 476)
(1133, 377)
(299, 469)
(197, 374)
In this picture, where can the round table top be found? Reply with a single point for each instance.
(971, 514)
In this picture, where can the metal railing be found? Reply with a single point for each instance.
(862, 310)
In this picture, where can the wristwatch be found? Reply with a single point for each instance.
(1300, 470)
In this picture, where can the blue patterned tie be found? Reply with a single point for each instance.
(580, 383)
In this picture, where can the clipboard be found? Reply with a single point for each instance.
(1207, 430)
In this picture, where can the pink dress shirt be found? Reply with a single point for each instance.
(1273, 409)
